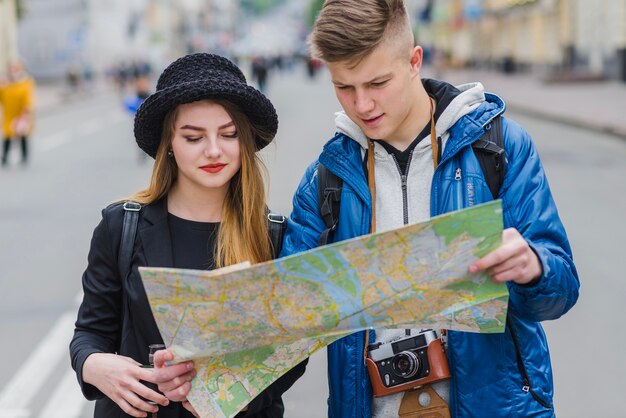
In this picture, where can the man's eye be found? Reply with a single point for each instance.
(379, 83)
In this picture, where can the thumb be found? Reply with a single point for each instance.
(162, 357)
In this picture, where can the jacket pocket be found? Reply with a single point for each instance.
(526, 383)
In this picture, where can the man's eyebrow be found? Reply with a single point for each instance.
(338, 83)
(378, 77)
(372, 80)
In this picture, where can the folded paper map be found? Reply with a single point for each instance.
(245, 326)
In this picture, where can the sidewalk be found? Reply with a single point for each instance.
(599, 105)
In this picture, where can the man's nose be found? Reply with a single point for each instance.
(363, 103)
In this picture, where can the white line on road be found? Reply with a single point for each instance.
(14, 413)
(20, 391)
(85, 129)
(54, 141)
(67, 401)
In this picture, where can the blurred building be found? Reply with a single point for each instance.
(91, 36)
(8, 34)
(52, 36)
(553, 37)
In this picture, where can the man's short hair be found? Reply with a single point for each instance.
(349, 30)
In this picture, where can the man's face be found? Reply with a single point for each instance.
(379, 93)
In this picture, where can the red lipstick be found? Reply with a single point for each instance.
(213, 168)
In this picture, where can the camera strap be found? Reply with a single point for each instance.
(423, 402)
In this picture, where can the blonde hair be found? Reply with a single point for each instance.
(349, 30)
(243, 234)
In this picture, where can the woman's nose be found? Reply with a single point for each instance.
(212, 148)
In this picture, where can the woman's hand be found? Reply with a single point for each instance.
(120, 379)
(177, 387)
(189, 408)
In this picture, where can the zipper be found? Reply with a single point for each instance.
(459, 188)
(359, 368)
(403, 184)
(527, 386)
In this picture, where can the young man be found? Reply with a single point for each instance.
(388, 110)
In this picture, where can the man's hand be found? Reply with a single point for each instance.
(513, 261)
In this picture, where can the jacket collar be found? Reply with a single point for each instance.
(155, 235)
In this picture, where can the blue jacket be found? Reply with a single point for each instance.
(493, 375)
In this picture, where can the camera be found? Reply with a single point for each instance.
(406, 362)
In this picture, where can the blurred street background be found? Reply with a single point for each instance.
(560, 65)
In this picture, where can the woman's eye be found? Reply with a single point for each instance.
(230, 135)
(192, 138)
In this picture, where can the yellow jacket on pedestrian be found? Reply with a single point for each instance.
(17, 101)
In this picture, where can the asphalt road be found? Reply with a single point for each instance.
(84, 157)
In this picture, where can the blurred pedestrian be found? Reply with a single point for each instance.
(205, 208)
(73, 78)
(404, 150)
(260, 69)
(17, 99)
(132, 103)
(313, 65)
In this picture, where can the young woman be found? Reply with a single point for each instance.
(204, 209)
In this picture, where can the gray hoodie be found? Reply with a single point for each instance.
(391, 202)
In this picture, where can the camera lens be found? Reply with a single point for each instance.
(406, 364)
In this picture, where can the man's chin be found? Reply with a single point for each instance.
(372, 133)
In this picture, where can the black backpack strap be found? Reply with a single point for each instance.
(328, 197)
(129, 231)
(276, 225)
(489, 150)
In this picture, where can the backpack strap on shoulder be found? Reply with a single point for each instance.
(276, 225)
(129, 231)
(489, 150)
(328, 197)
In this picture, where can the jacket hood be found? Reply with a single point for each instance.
(453, 102)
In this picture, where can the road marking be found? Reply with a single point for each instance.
(20, 391)
(14, 413)
(67, 401)
(54, 141)
(87, 128)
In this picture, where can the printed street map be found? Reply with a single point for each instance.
(245, 326)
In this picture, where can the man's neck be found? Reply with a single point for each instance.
(416, 119)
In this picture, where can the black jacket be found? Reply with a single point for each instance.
(115, 315)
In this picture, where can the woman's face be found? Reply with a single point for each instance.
(206, 146)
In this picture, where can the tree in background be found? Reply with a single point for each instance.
(316, 6)
(259, 6)
(20, 9)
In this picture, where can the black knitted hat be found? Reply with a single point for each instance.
(197, 77)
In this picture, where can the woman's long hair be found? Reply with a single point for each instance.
(243, 233)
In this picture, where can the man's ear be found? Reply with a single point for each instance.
(416, 59)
